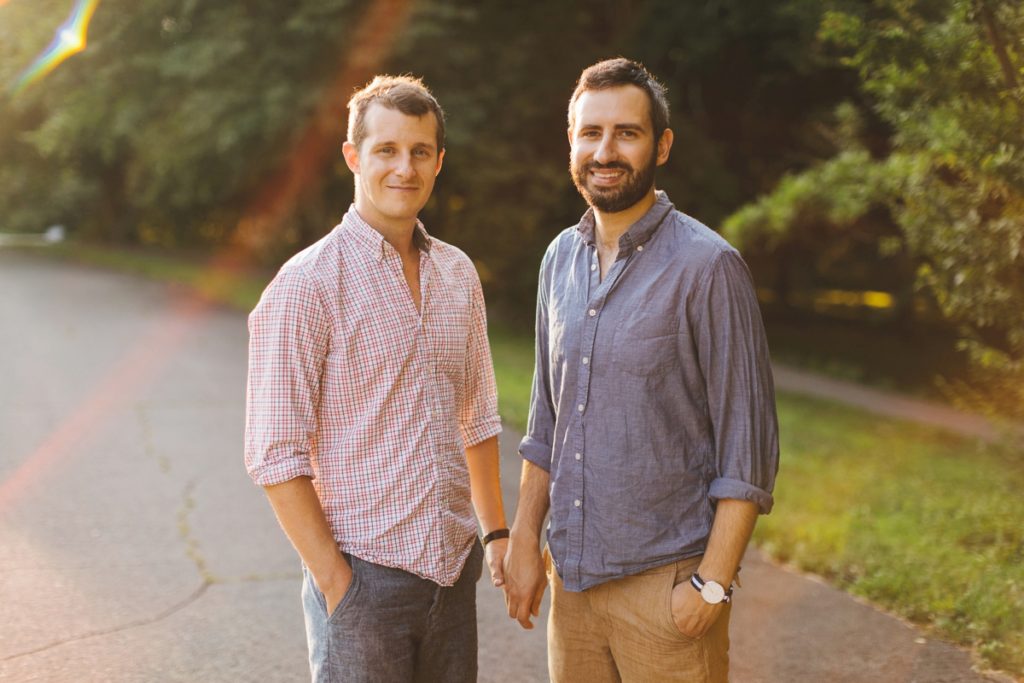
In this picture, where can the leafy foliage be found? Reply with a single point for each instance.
(745, 83)
(161, 128)
(944, 78)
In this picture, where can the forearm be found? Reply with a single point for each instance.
(485, 484)
(730, 533)
(533, 503)
(299, 513)
(524, 570)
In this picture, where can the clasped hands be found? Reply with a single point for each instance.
(520, 574)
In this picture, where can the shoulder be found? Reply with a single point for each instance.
(563, 245)
(317, 263)
(714, 262)
(696, 240)
(302, 279)
(565, 240)
(454, 261)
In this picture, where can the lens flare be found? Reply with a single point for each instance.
(69, 40)
(378, 31)
(380, 27)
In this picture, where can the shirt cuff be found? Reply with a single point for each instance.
(536, 452)
(480, 431)
(737, 489)
(281, 471)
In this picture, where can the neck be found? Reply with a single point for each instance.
(611, 226)
(399, 234)
(400, 237)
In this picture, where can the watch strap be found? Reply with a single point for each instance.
(494, 535)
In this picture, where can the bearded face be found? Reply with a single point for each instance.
(614, 149)
(613, 186)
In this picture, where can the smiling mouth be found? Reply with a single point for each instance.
(607, 176)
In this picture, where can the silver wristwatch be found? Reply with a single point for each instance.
(712, 591)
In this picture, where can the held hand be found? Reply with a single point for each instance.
(525, 581)
(494, 553)
(693, 617)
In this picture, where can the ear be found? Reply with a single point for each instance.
(665, 145)
(440, 158)
(351, 154)
(568, 134)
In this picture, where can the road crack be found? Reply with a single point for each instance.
(198, 593)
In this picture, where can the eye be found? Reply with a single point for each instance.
(386, 150)
(628, 134)
(422, 153)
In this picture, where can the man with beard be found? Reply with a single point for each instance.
(652, 433)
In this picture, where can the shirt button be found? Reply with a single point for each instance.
(579, 455)
(640, 248)
(580, 407)
(585, 360)
(577, 502)
(593, 266)
(592, 312)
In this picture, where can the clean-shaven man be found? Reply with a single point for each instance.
(372, 415)
(652, 432)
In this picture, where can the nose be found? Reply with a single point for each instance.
(605, 151)
(405, 167)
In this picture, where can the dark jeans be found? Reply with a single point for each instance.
(394, 626)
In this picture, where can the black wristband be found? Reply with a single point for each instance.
(494, 535)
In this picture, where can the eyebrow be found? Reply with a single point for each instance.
(419, 145)
(617, 126)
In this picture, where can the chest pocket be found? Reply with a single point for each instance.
(647, 338)
(646, 356)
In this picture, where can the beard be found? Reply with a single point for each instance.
(612, 200)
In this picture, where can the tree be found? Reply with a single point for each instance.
(744, 83)
(945, 78)
(163, 128)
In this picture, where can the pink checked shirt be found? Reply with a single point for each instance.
(351, 385)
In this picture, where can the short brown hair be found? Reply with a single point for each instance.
(402, 93)
(612, 73)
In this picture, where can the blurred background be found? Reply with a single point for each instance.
(866, 157)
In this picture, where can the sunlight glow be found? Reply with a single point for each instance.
(379, 29)
(374, 39)
(69, 40)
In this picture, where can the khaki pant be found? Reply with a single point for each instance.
(623, 631)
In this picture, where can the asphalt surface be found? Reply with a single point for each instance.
(133, 547)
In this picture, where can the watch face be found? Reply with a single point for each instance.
(712, 592)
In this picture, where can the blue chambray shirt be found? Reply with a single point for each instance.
(652, 395)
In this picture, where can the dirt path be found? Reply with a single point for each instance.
(889, 403)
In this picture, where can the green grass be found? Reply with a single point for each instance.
(923, 524)
(513, 369)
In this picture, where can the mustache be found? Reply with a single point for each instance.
(620, 165)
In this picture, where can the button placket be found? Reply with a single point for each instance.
(594, 308)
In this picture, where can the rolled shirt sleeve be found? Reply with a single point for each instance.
(289, 336)
(733, 354)
(478, 412)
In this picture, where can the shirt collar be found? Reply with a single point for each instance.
(638, 233)
(365, 237)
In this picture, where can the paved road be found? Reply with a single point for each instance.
(134, 548)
